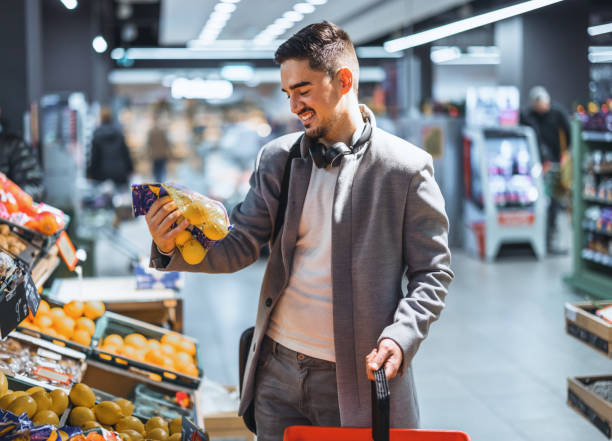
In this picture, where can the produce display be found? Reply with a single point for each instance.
(18, 207)
(45, 408)
(172, 351)
(75, 321)
(208, 218)
(10, 241)
(19, 357)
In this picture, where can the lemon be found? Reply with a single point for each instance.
(193, 252)
(43, 402)
(127, 407)
(43, 417)
(175, 425)
(59, 401)
(158, 434)
(35, 389)
(134, 435)
(82, 395)
(156, 422)
(108, 412)
(182, 237)
(23, 404)
(175, 437)
(3, 384)
(130, 423)
(90, 425)
(80, 415)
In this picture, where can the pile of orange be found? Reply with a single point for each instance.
(75, 321)
(173, 352)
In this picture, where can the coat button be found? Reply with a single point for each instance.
(269, 302)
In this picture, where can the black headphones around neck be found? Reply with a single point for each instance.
(331, 156)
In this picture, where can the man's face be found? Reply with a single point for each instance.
(314, 97)
(541, 106)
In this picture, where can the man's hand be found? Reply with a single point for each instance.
(389, 355)
(160, 217)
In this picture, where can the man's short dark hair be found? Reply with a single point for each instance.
(326, 47)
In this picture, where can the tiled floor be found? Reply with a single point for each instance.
(495, 365)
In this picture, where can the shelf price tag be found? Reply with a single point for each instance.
(67, 251)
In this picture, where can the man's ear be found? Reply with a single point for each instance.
(345, 76)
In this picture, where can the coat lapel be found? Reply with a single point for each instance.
(298, 186)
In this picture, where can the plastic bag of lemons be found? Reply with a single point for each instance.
(208, 218)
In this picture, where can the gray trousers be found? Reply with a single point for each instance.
(293, 389)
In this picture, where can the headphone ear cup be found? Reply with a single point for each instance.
(318, 154)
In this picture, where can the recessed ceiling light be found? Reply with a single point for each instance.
(304, 8)
(225, 7)
(230, 1)
(293, 16)
(284, 22)
(317, 2)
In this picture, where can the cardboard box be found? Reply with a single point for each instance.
(221, 425)
(582, 323)
(590, 405)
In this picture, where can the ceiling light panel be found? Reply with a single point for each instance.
(288, 20)
(216, 22)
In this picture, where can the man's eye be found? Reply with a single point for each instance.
(305, 93)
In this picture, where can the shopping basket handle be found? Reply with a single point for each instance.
(380, 406)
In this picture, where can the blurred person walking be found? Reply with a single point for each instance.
(110, 156)
(553, 133)
(158, 148)
(19, 162)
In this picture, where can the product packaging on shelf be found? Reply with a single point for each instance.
(208, 218)
(18, 294)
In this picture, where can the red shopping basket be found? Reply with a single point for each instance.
(380, 424)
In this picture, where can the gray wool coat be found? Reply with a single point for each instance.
(388, 221)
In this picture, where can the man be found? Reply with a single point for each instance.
(110, 156)
(19, 162)
(552, 130)
(331, 307)
(159, 148)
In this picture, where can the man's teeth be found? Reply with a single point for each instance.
(306, 116)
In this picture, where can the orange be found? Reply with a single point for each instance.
(74, 309)
(43, 321)
(182, 358)
(167, 350)
(167, 363)
(49, 331)
(113, 349)
(56, 314)
(113, 339)
(65, 326)
(86, 324)
(136, 340)
(154, 357)
(128, 351)
(188, 369)
(171, 338)
(43, 308)
(140, 354)
(193, 252)
(81, 337)
(93, 309)
(29, 325)
(94, 436)
(187, 346)
(153, 344)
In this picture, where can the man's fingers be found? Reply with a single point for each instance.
(156, 206)
(163, 212)
(175, 231)
(391, 367)
(168, 221)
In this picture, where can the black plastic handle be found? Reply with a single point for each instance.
(380, 406)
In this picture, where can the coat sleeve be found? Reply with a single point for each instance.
(252, 223)
(425, 247)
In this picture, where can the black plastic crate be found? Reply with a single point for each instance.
(112, 323)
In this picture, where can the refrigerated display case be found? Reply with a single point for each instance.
(504, 199)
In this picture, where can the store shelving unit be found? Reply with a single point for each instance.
(592, 269)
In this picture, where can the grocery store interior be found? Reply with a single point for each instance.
(511, 98)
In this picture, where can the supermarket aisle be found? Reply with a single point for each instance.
(494, 366)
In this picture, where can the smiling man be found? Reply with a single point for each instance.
(363, 210)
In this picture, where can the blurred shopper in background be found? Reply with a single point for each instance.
(553, 133)
(110, 156)
(19, 162)
(158, 148)
(363, 211)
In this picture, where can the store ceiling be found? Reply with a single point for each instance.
(181, 21)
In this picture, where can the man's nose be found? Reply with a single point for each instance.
(295, 103)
